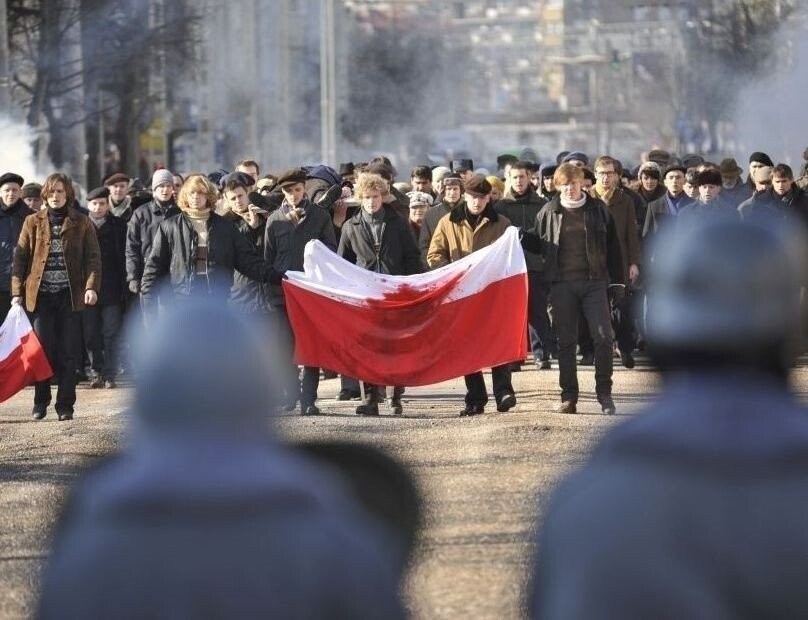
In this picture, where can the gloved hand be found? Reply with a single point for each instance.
(16, 301)
(134, 286)
(276, 277)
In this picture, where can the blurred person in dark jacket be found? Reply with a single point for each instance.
(204, 514)
(32, 196)
(668, 206)
(782, 197)
(452, 186)
(696, 508)
(13, 212)
(102, 322)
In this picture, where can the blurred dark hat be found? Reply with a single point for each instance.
(548, 170)
(477, 185)
(346, 168)
(761, 158)
(382, 169)
(452, 179)
(691, 160)
(10, 177)
(293, 176)
(135, 185)
(576, 156)
(32, 190)
(528, 154)
(241, 179)
(660, 157)
(711, 176)
(98, 192)
(118, 177)
(560, 157)
(505, 159)
(216, 177)
(462, 165)
(729, 167)
(675, 168)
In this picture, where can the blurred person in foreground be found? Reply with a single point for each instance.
(697, 509)
(13, 211)
(204, 514)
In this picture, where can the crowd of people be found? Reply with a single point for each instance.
(79, 266)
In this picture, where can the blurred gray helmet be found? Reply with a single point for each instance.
(721, 285)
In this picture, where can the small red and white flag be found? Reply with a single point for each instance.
(22, 358)
(410, 330)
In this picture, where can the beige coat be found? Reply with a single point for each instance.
(453, 237)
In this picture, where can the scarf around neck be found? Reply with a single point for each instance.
(573, 204)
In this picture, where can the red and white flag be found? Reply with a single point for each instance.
(410, 330)
(22, 358)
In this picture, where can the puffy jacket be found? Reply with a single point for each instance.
(173, 252)
(397, 254)
(284, 242)
(140, 234)
(522, 212)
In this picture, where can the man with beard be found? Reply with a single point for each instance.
(469, 227)
(521, 205)
(288, 230)
(451, 199)
(143, 226)
(13, 212)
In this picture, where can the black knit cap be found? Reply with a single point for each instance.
(761, 158)
(10, 177)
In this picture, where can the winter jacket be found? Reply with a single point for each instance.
(738, 194)
(432, 216)
(454, 237)
(522, 212)
(112, 244)
(140, 234)
(247, 293)
(284, 242)
(11, 221)
(397, 254)
(81, 252)
(124, 209)
(173, 252)
(659, 212)
(694, 509)
(794, 202)
(621, 208)
(602, 243)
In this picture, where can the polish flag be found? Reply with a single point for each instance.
(410, 330)
(22, 358)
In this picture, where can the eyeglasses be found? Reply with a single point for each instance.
(604, 173)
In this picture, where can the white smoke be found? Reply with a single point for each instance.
(17, 154)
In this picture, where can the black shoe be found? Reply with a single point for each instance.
(508, 402)
(471, 410)
(348, 395)
(567, 406)
(545, 365)
(64, 415)
(39, 412)
(627, 359)
(329, 374)
(395, 406)
(368, 409)
(96, 383)
(607, 405)
(516, 367)
(587, 359)
(309, 410)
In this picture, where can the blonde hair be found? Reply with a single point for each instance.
(369, 182)
(495, 181)
(567, 173)
(199, 183)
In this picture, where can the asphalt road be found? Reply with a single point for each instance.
(485, 479)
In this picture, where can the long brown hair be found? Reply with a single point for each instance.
(50, 183)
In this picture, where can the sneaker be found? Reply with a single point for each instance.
(588, 359)
(309, 410)
(348, 395)
(395, 406)
(368, 409)
(471, 410)
(508, 402)
(627, 359)
(567, 406)
(96, 383)
(39, 412)
(607, 405)
(110, 384)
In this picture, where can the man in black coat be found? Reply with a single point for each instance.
(696, 508)
(13, 212)
(102, 322)
(450, 199)
(781, 198)
(288, 230)
(377, 239)
(668, 206)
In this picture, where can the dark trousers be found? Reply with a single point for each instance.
(5, 305)
(375, 393)
(477, 393)
(622, 319)
(305, 391)
(538, 321)
(58, 328)
(569, 300)
(102, 328)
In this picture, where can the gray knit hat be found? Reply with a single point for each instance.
(160, 177)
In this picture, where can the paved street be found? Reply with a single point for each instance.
(485, 479)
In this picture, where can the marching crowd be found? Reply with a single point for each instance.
(78, 266)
